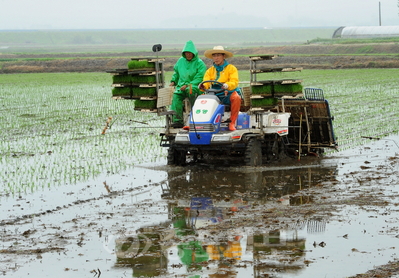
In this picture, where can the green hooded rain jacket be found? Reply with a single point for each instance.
(188, 72)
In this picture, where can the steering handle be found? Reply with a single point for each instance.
(211, 90)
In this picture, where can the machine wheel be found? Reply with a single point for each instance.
(176, 157)
(253, 153)
(278, 148)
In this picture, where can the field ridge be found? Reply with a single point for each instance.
(309, 56)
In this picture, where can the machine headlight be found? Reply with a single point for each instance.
(182, 138)
(221, 138)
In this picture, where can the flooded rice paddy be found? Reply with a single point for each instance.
(319, 217)
(77, 203)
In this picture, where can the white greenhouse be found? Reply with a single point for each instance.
(362, 32)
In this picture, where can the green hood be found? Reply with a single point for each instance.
(187, 72)
(190, 47)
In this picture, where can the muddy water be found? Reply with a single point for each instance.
(330, 217)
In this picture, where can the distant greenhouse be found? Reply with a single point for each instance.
(363, 32)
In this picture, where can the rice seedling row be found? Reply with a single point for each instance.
(52, 123)
(53, 133)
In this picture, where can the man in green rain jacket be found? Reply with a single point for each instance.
(188, 73)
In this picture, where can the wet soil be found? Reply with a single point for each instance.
(347, 200)
(306, 56)
(78, 230)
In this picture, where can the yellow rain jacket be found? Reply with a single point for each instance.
(229, 75)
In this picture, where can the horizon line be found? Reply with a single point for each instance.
(170, 29)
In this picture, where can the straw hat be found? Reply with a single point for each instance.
(218, 49)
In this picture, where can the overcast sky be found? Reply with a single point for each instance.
(154, 14)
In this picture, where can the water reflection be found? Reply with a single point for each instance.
(192, 242)
(146, 251)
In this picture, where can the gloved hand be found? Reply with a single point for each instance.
(201, 87)
(225, 86)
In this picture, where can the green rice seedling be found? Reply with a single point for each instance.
(265, 90)
(121, 78)
(277, 89)
(264, 102)
(122, 91)
(140, 65)
(143, 79)
(53, 123)
(145, 104)
(52, 127)
(144, 91)
(287, 89)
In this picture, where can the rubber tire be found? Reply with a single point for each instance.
(278, 148)
(253, 153)
(176, 157)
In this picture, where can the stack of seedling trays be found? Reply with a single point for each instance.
(139, 83)
(265, 94)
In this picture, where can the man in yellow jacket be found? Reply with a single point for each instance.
(227, 74)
